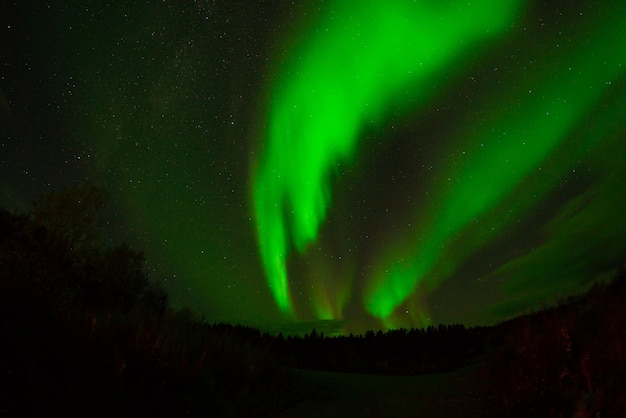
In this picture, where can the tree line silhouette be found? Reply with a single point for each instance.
(394, 352)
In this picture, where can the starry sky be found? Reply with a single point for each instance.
(339, 164)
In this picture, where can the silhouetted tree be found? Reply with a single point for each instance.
(154, 298)
(73, 214)
(120, 278)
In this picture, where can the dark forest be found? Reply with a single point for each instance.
(88, 332)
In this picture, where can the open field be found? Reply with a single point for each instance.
(455, 394)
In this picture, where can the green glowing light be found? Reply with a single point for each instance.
(363, 58)
(508, 149)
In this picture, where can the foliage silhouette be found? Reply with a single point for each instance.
(88, 333)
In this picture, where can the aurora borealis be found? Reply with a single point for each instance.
(347, 164)
(362, 58)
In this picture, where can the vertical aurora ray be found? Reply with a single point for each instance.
(498, 162)
(363, 58)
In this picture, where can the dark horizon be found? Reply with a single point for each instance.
(88, 331)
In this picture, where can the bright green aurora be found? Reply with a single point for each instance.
(362, 58)
(365, 63)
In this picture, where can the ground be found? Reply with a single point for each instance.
(456, 394)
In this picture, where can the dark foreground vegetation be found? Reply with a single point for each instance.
(568, 361)
(86, 332)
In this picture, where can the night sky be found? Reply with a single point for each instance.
(338, 164)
